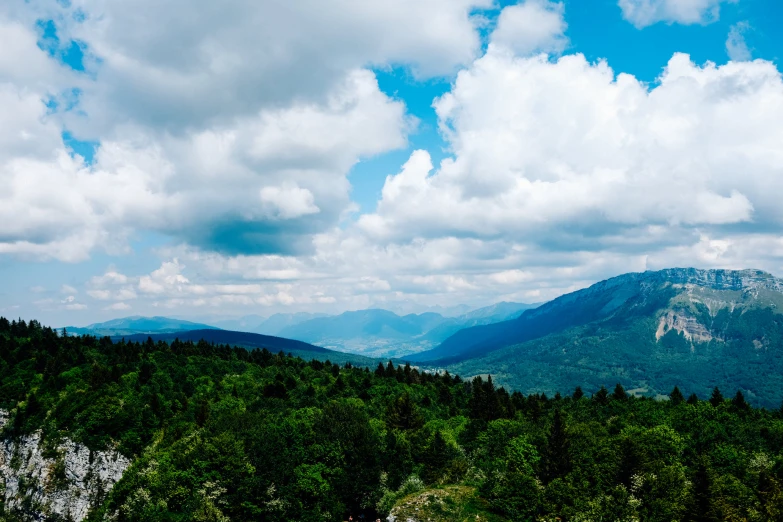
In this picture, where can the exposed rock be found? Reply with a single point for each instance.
(685, 324)
(66, 481)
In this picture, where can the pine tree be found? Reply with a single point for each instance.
(556, 461)
(619, 393)
(700, 508)
(403, 414)
(717, 398)
(739, 401)
(693, 399)
(601, 396)
(676, 396)
(578, 393)
(437, 458)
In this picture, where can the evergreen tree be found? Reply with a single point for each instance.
(693, 399)
(437, 458)
(717, 398)
(556, 461)
(578, 393)
(601, 396)
(701, 508)
(676, 396)
(739, 401)
(619, 393)
(403, 414)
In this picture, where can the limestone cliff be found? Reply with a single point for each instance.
(39, 482)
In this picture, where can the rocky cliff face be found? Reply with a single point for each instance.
(40, 482)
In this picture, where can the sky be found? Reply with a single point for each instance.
(200, 160)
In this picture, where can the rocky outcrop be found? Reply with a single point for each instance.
(65, 480)
(689, 326)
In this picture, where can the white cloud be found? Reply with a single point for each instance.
(288, 202)
(68, 289)
(568, 155)
(203, 187)
(643, 13)
(162, 68)
(736, 46)
(531, 26)
(118, 306)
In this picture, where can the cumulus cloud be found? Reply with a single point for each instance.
(165, 69)
(643, 13)
(231, 129)
(567, 154)
(736, 46)
(531, 26)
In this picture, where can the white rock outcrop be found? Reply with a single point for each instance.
(66, 484)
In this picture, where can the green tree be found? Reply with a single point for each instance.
(676, 397)
(717, 398)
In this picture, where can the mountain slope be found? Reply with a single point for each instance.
(382, 333)
(138, 324)
(253, 340)
(650, 331)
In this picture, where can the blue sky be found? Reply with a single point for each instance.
(402, 155)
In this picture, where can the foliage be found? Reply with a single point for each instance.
(219, 433)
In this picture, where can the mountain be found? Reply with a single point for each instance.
(496, 313)
(371, 332)
(254, 340)
(650, 331)
(275, 324)
(381, 333)
(137, 324)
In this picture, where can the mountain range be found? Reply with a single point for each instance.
(137, 325)
(372, 332)
(649, 331)
(381, 333)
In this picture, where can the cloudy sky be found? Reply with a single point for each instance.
(199, 158)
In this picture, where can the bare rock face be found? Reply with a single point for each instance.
(66, 480)
(681, 322)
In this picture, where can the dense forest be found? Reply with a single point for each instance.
(219, 433)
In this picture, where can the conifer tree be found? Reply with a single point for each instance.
(701, 508)
(693, 399)
(739, 401)
(556, 461)
(676, 396)
(601, 396)
(578, 393)
(619, 393)
(717, 398)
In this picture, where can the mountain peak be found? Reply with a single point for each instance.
(719, 279)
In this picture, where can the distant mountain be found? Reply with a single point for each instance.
(381, 333)
(496, 313)
(137, 325)
(649, 331)
(275, 324)
(253, 340)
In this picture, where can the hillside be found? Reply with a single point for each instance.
(94, 430)
(381, 333)
(700, 328)
(137, 325)
(252, 340)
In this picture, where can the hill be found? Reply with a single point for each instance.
(381, 333)
(136, 325)
(94, 430)
(252, 340)
(651, 330)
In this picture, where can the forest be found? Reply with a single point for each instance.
(220, 433)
